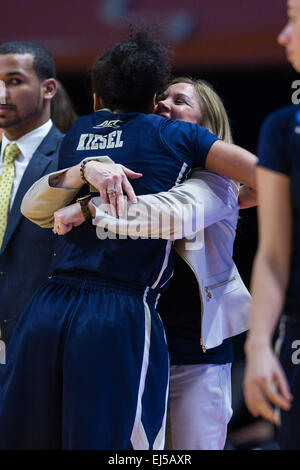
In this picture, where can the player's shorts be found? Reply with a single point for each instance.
(289, 430)
(87, 368)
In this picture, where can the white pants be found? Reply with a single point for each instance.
(200, 406)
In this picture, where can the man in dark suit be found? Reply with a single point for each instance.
(29, 149)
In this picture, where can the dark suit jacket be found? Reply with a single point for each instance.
(27, 249)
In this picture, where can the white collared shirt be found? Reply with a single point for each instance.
(27, 144)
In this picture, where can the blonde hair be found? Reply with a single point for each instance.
(214, 116)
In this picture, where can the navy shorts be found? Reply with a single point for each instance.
(289, 430)
(87, 368)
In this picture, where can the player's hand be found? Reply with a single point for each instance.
(265, 383)
(67, 218)
(247, 197)
(111, 180)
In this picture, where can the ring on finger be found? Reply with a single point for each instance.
(111, 191)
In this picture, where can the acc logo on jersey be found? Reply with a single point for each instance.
(115, 124)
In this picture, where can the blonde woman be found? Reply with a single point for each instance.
(207, 301)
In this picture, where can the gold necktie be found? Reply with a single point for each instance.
(11, 152)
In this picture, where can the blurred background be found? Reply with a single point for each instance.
(230, 43)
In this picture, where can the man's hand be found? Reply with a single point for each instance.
(67, 218)
(111, 180)
(265, 383)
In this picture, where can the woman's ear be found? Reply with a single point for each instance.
(98, 103)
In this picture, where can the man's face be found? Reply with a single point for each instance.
(290, 35)
(23, 92)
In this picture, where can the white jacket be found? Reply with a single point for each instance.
(224, 297)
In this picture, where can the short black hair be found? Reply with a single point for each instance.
(128, 76)
(43, 62)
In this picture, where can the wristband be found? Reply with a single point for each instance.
(83, 163)
(83, 201)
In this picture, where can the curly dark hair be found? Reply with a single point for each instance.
(128, 76)
(43, 62)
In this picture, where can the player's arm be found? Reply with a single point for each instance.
(208, 151)
(265, 382)
(232, 161)
(44, 197)
(56, 190)
(103, 176)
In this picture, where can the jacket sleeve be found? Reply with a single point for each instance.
(204, 199)
(43, 199)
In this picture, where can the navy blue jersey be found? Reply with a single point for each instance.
(164, 151)
(279, 150)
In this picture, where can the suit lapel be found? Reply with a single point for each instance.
(37, 167)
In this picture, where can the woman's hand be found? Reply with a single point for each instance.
(67, 218)
(111, 180)
(247, 197)
(265, 383)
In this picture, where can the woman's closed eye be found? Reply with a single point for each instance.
(181, 99)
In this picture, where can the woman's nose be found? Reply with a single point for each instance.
(163, 105)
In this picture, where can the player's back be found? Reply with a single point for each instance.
(164, 151)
